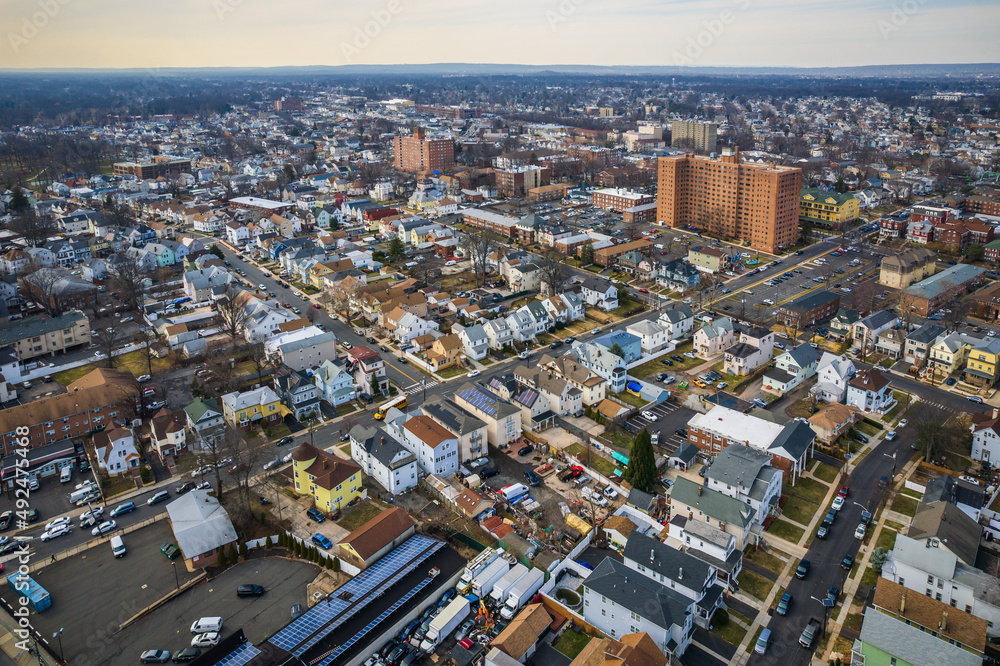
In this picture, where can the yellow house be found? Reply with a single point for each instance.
(445, 352)
(949, 354)
(984, 359)
(828, 208)
(332, 482)
(258, 407)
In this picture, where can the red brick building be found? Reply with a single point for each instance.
(983, 205)
(954, 235)
(619, 200)
(608, 255)
(422, 153)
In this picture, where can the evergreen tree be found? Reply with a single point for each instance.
(396, 248)
(617, 350)
(336, 564)
(221, 559)
(587, 253)
(18, 200)
(641, 470)
(267, 543)
(233, 556)
(243, 549)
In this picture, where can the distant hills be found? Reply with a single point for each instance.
(916, 71)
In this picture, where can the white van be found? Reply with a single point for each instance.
(66, 475)
(450, 262)
(206, 624)
(514, 491)
(117, 546)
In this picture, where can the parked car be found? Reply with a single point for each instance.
(123, 508)
(161, 496)
(184, 487)
(154, 657)
(489, 472)
(838, 503)
(322, 541)
(316, 515)
(802, 570)
(104, 528)
(187, 654)
(55, 532)
(784, 604)
(847, 562)
(249, 591)
(859, 532)
(284, 440)
(525, 450)
(823, 531)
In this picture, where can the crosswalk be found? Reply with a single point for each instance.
(417, 388)
(945, 408)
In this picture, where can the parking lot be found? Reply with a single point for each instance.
(93, 593)
(168, 628)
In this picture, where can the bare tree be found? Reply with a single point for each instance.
(129, 282)
(231, 312)
(107, 340)
(244, 456)
(257, 354)
(555, 274)
(41, 283)
(863, 297)
(32, 227)
(478, 245)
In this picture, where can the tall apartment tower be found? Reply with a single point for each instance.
(730, 200)
(697, 134)
(420, 153)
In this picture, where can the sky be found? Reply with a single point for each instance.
(269, 33)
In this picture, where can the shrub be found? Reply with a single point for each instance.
(267, 543)
(721, 618)
(232, 556)
(243, 549)
(222, 557)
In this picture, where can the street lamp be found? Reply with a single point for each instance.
(893, 456)
(58, 635)
(827, 605)
(177, 582)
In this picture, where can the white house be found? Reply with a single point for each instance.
(714, 337)
(755, 348)
(411, 326)
(498, 333)
(652, 336)
(115, 449)
(679, 321)
(747, 475)
(521, 325)
(384, 459)
(986, 439)
(792, 368)
(599, 292)
(435, 447)
(870, 391)
(475, 343)
(832, 375)
(335, 384)
(305, 348)
(599, 360)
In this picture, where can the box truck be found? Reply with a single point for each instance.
(475, 567)
(502, 586)
(483, 584)
(523, 590)
(445, 623)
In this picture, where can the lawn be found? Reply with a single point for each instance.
(800, 511)
(360, 514)
(869, 577)
(886, 539)
(867, 428)
(135, 362)
(754, 585)
(766, 560)
(733, 633)
(632, 399)
(905, 505)
(453, 371)
(853, 621)
(810, 489)
(649, 368)
(786, 531)
(345, 409)
(572, 642)
(800, 409)
(826, 472)
(597, 461)
(911, 493)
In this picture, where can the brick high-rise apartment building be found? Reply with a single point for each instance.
(696, 134)
(728, 199)
(422, 153)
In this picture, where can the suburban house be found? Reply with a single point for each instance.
(630, 650)
(380, 535)
(368, 369)
(334, 383)
(168, 433)
(115, 450)
(755, 348)
(303, 348)
(747, 475)
(384, 459)
(678, 321)
(727, 514)
(711, 544)
(949, 353)
(498, 333)
(652, 336)
(599, 292)
(298, 392)
(832, 421)
(259, 407)
(983, 364)
(986, 437)
(600, 360)
(842, 324)
(918, 343)
(445, 352)
(205, 421)
(435, 447)
(792, 368)
(202, 528)
(630, 345)
(475, 342)
(471, 432)
(329, 480)
(870, 391)
(520, 638)
(714, 337)
(502, 419)
(832, 376)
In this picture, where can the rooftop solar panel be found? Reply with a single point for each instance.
(320, 620)
(240, 656)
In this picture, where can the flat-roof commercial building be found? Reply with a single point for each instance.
(728, 199)
(160, 166)
(45, 335)
(618, 199)
(422, 153)
(935, 292)
(809, 309)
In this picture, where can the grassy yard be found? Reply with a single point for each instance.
(346, 408)
(810, 489)
(867, 428)
(572, 642)
(754, 585)
(801, 511)
(135, 362)
(911, 493)
(869, 577)
(853, 621)
(732, 633)
(787, 531)
(766, 560)
(453, 371)
(826, 472)
(649, 368)
(632, 399)
(800, 409)
(360, 514)
(886, 539)
(905, 505)
(597, 461)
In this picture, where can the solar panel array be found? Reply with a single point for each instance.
(240, 656)
(480, 400)
(374, 623)
(327, 615)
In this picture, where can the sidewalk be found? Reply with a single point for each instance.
(851, 584)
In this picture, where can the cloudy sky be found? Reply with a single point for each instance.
(263, 33)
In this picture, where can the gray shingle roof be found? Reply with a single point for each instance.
(200, 523)
(794, 438)
(738, 465)
(633, 591)
(713, 503)
(910, 644)
(669, 562)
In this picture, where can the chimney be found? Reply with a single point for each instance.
(651, 555)
(902, 604)
(699, 490)
(944, 621)
(680, 573)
